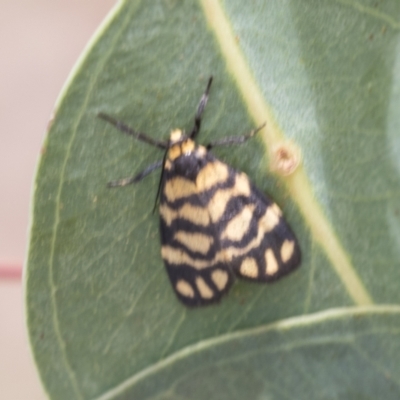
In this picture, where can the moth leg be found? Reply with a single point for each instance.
(136, 178)
(161, 180)
(130, 132)
(200, 109)
(227, 141)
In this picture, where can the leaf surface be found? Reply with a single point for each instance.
(323, 74)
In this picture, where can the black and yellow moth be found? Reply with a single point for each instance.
(215, 225)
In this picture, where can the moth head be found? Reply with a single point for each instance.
(177, 136)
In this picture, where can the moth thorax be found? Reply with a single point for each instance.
(179, 145)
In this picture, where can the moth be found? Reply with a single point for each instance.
(215, 225)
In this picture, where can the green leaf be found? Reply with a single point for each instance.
(340, 354)
(102, 317)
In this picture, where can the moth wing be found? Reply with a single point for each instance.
(258, 240)
(190, 245)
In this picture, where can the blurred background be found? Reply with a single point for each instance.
(40, 42)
